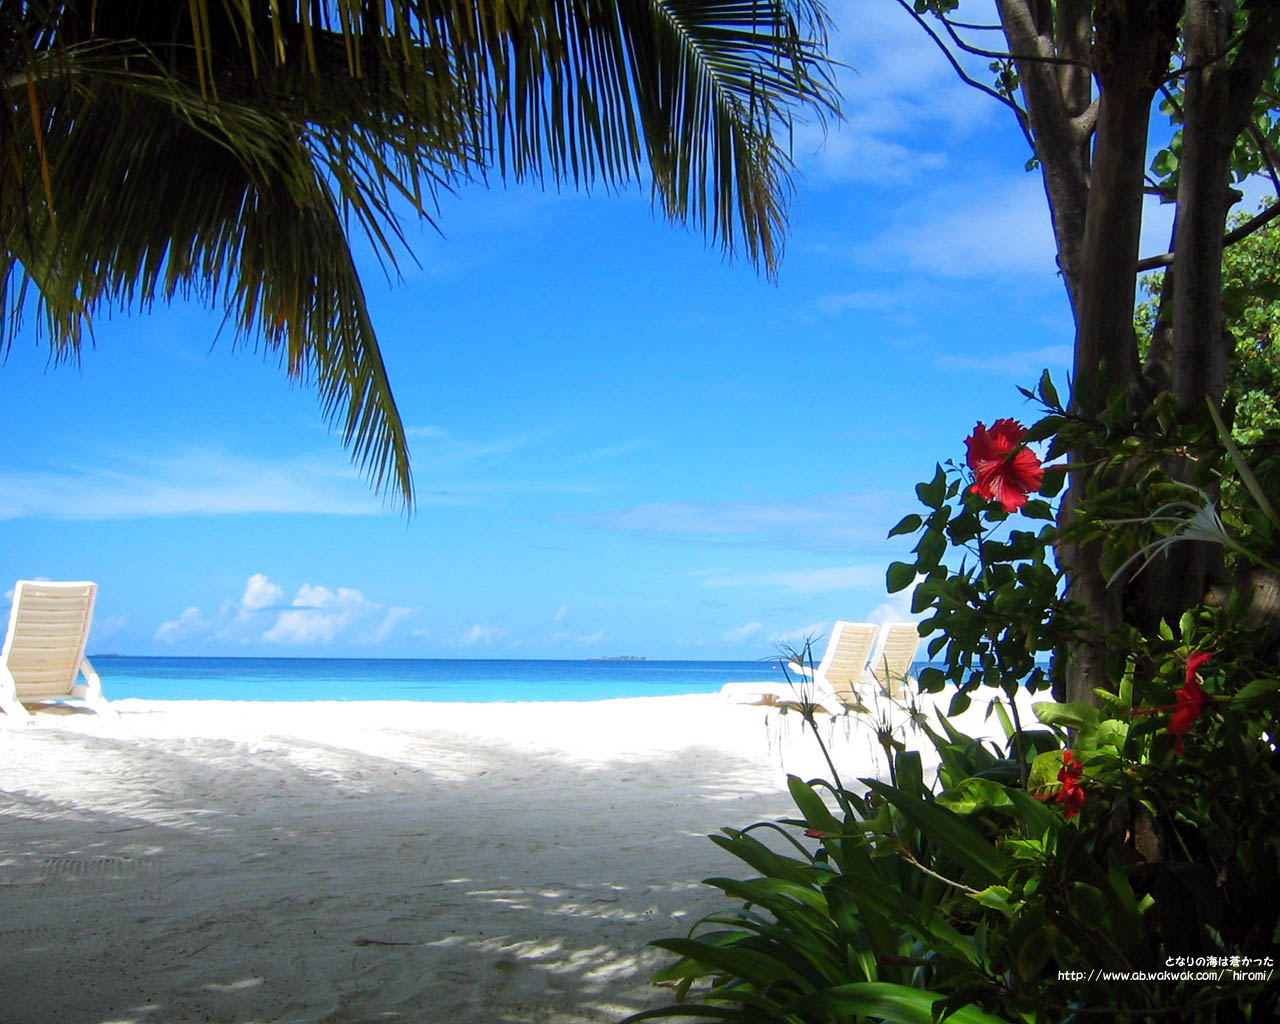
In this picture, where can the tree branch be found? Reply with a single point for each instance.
(1268, 154)
(1230, 238)
(971, 27)
(964, 76)
(1085, 123)
(1039, 58)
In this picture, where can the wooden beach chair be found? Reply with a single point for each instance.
(832, 685)
(889, 667)
(44, 650)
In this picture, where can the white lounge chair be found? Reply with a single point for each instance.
(44, 650)
(832, 685)
(889, 667)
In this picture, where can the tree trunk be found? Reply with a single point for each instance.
(1218, 102)
(1131, 53)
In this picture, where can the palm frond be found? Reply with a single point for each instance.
(220, 149)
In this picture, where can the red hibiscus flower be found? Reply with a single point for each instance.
(1004, 470)
(1071, 795)
(1191, 700)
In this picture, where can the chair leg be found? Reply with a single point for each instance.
(9, 703)
(92, 696)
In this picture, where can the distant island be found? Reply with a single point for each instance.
(620, 657)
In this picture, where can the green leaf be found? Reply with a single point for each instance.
(932, 546)
(758, 968)
(1054, 478)
(907, 524)
(1048, 393)
(1246, 475)
(1043, 428)
(1257, 688)
(815, 811)
(1070, 714)
(974, 795)
(934, 492)
(888, 1002)
(900, 576)
(1043, 775)
(997, 898)
(949, 831)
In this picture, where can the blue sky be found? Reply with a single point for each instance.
(622, 443)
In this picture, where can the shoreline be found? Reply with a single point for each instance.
(256, 861)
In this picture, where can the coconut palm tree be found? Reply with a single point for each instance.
(223, 149)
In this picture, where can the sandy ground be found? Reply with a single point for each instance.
(375, 862)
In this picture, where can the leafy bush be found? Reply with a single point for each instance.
(1114, 859)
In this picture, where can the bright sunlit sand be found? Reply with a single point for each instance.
(381, 861)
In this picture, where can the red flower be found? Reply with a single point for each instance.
(1071, 795)
(1191, 700)
(1004, 470)
(814, 833)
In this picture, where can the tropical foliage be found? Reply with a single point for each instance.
(223, 150)
(1114, 859)
(1095, 88)
(1251, 309)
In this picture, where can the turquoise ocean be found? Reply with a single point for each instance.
(476, 680)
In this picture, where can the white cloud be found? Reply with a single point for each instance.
(1003, 231)
(184, 482)
(743, 632)
(427, 431)
(903, 103)
(897, 608)
(822, 522)
(190, 623)
(199, 481)
(481, 634)
(319, 615)
(259, 593)
(379, 634)
(806, 581)
(1026, 363)
(611, 451)
(815, 631)
(105, 628)
(561, 614)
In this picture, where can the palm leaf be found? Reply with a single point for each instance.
(221, 150)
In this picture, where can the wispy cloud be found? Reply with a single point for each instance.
(195, 481)
(805, 581)
(897, 608)
(1003, 232)
(743, 632)
(796, 637)
(902, 103)
(1026, 363)
(821, 523)
(481, 634)
(190, 481)
(611, 451)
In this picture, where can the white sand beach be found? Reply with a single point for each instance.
(385, 861)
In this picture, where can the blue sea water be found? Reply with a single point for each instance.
(294, 679)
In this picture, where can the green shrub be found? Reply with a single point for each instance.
(1114, 860)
